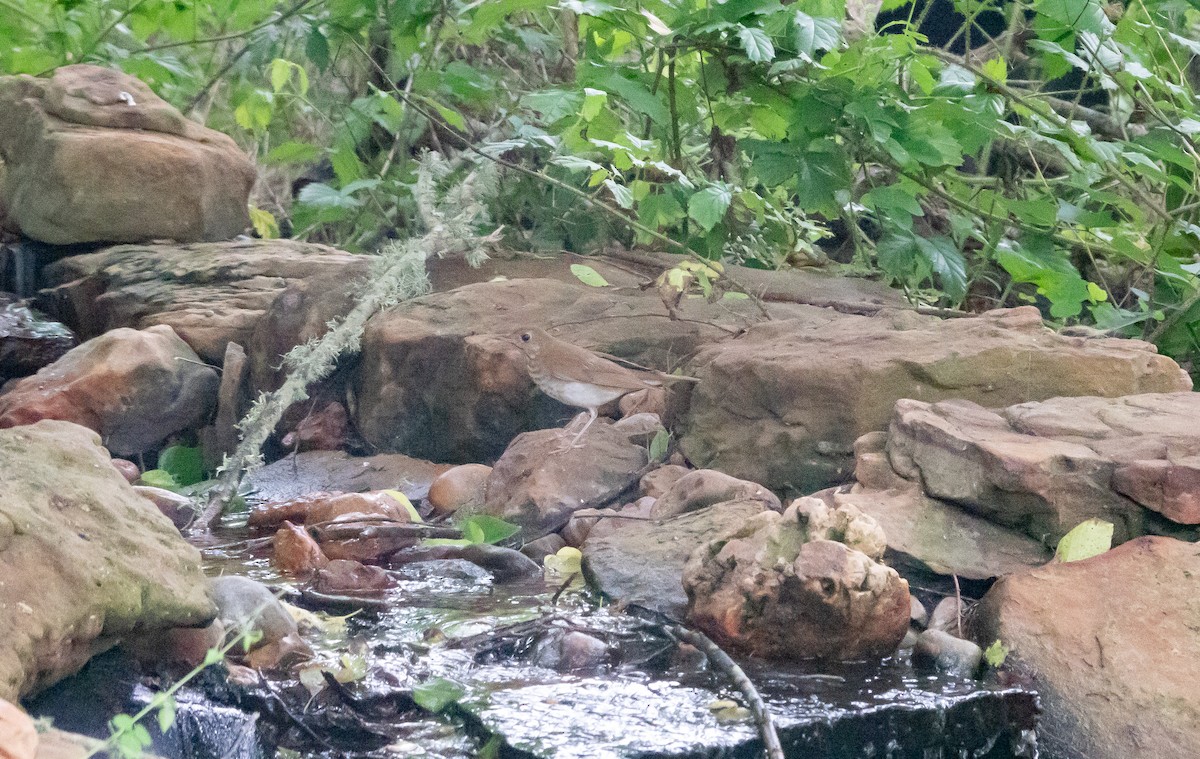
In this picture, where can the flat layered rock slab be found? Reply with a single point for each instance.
(783, 404)
(934, 536)
(871, 712)
(210, 293)
(337, 471)
(1044, 467)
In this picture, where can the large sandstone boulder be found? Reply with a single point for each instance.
(84, 560)
(1045, 467)
(783, 404)
(136, 388)
(805, 584)
(93, 155)
(1111, 646)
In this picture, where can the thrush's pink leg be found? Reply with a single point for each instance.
(575, 440)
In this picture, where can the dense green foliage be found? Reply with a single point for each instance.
(1054, 161)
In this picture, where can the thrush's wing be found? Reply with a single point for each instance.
(588, 367)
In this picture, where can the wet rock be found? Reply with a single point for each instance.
(917, 615)
(244, 603)
(939, 651)
(136, 388)
(340, 577)
(704, 487)
(83, 164)
(28, 341)
(178, 508)
(505, 564)
(569, 651)
(323, 430)
(295, 551)
(807, 388)
(128, 470)
(460, 570)
(211, 294)
(946, 615)
(85, 561)
(1045, 467)
(544, 546)
(537, 485)
(780, 588)
(187, 646)
(315, 508)
(1107, 642)
(643, 562)
(460, 488)
(336, 471)
(658, 481)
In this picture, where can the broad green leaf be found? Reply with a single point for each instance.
(996, 70)
(159, 478)
(264, 222)
(757, 44)
(659, 444)
(323, 196)
(185, 464)
(436, 694)
(814, 34)
(593, 101)
(588, 276)
(484, 528)
(620, 193)
(293, 152)
(1085, 540)
(708, 206)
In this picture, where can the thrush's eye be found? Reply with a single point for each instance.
(526, 337)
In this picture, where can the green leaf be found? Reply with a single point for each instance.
(996, 70)
(659, 444)
(484, 528)
(166, 715)
(159, 478)
(316, 49)
(588, 276)
(708, 206)
(813, 34)
(1085, 540)
(947, 261)
(620, 193)
(323, 196)
(413, 515)
(264, 222)
(757, 44)
(593, 101)
(996, 654)
(184, 464)
(292, 152)
(436, 694)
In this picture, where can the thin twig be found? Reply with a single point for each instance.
(721, 660)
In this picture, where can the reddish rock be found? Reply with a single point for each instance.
(324, 507)
(340, 577)
(18, 735)
(323, 430)
(128, 470)
(93, 155)
(180, 509)
(538, 485)
(136, 388)
(658, 481)
(296, 552)
(461, 488)
(1110, 645)
(781, 588)
(1046, 466)
(807, 388)
(704, 487)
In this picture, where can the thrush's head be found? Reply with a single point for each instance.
(528, 339)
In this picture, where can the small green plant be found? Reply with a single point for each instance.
(436, 694)
(996, 654)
